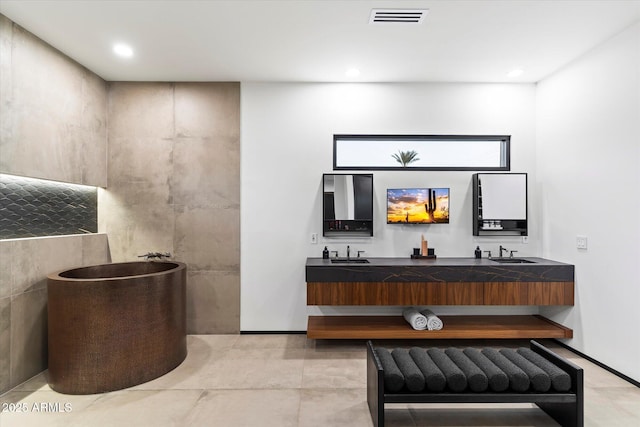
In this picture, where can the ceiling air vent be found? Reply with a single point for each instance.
(397, 16)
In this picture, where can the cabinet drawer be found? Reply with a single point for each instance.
(528, 293)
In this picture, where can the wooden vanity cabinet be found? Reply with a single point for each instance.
(549, 284)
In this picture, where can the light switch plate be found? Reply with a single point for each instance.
(581, 242)
(314, 238)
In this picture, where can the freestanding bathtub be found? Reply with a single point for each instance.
(117, 325)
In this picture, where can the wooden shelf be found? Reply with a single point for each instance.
(455, 327)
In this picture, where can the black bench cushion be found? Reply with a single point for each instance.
(393, 378)
(456, 379)
(476, 378)
(518, 379)
(538, 378)
(433, 377)
(413, 377)
(498, 380)
(470, 370)
(560, 380)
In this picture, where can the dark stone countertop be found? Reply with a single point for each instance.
(438, 270)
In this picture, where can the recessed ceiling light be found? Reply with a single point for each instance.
(515, 72)
(352, 72)
(123, 50)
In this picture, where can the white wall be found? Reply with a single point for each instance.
(588, 156)
(287, 136)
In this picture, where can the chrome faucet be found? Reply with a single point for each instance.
(150, 255)
(503, 249)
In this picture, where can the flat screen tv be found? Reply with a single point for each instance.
(417, 206)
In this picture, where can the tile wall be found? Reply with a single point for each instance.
(52, 126)
(35, 207)
(174, 186)
(24, 266)
(52, 112)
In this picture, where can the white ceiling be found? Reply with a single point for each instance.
(316, 41)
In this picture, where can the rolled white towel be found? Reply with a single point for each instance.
(415, 319)
(433, 322)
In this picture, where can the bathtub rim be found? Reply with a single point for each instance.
(56, 276)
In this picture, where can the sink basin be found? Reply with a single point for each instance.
(512, 261)
(349, 261)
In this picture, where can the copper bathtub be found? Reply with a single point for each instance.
(114, 326)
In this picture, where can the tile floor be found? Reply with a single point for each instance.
(288, 380)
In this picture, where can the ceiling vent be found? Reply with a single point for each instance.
(397, 16)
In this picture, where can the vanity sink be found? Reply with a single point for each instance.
(349, 261)
(512, 261)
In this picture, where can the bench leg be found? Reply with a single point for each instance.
(566, 414)
(375, 390)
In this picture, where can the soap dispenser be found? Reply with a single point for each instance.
(325, 253)
(478, 252)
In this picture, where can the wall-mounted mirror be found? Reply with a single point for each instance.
(347, 204)
(499, 203)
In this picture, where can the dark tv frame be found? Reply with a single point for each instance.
(417, 223)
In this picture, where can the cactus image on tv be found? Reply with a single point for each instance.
(418, 206)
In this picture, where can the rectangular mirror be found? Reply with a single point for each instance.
(421, 152)
(499, 203)
(347, 204)
(504, 196)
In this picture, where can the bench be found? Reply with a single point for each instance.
(566, 406)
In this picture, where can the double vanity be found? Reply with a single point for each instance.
(432, 282)
(500, 205)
